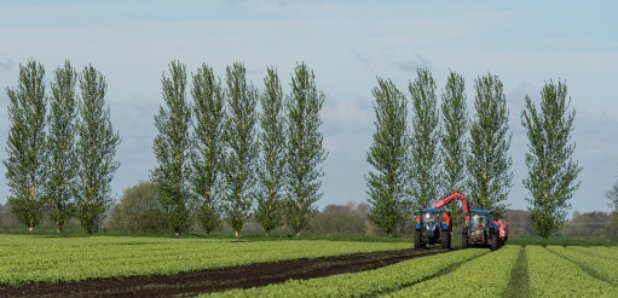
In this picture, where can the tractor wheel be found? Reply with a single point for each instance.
(417, 239)
(494, 242)
(464, 240)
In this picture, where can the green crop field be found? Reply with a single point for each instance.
(511, 271)
(364, 283)
(554, 271)
(38, 258)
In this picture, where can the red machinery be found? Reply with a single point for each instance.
(476, 229)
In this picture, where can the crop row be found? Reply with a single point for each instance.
(601, 251)
(606, 268)
(26, 259)
(487, 276)
(552, 276)
(365, 283)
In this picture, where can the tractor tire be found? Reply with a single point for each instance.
(418, 243)
(494, 242)
(464, 240)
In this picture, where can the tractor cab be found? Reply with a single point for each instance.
(483, 229)
(479, 226)
(432, 226)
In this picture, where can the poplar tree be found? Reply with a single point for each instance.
(240, 138)
(96, 150)
(388, 156)
(612, 196)
(489, 161)
(272, 161)
(425, 137)
(453, 148)
(25, 162)
(208, 148)
(62, 154)
(305, 150)
(552, 175)
(171, 148)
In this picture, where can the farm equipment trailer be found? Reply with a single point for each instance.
(481, 226)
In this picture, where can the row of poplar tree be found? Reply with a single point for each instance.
(216, 154)
(444, 150)
(220, 155)
(61, 146)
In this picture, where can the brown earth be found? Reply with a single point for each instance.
(213, 280)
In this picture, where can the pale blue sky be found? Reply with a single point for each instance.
(348, 44)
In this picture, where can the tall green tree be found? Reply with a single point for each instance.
(489, 161)
(25, 162)
(63, 164)
(552, 176)
(208, 149)
(272, 161)
(305, 149)
(453, 150)
(388, 155)
(96, 151)
(172, 148)
(612, 196)
(425, 163)
(240, 138)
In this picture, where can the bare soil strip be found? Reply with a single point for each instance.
(583, 267)
(192, 283)
(518, 285)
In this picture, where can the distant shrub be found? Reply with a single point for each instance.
(139, 210)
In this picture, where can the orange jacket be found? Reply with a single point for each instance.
(446, 219)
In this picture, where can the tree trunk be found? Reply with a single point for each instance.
(58, 228)
(30, 229)
(298, 234)
(237, 234)
(267, 234)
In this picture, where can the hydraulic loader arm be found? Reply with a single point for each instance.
(455, 196)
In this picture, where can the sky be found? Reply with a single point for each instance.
(348, 44)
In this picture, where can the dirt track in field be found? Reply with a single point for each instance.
(214, 280)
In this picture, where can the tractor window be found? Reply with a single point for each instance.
(479, 221)
(430, 217)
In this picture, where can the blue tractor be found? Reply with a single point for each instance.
(484, 229)
(433, 226)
